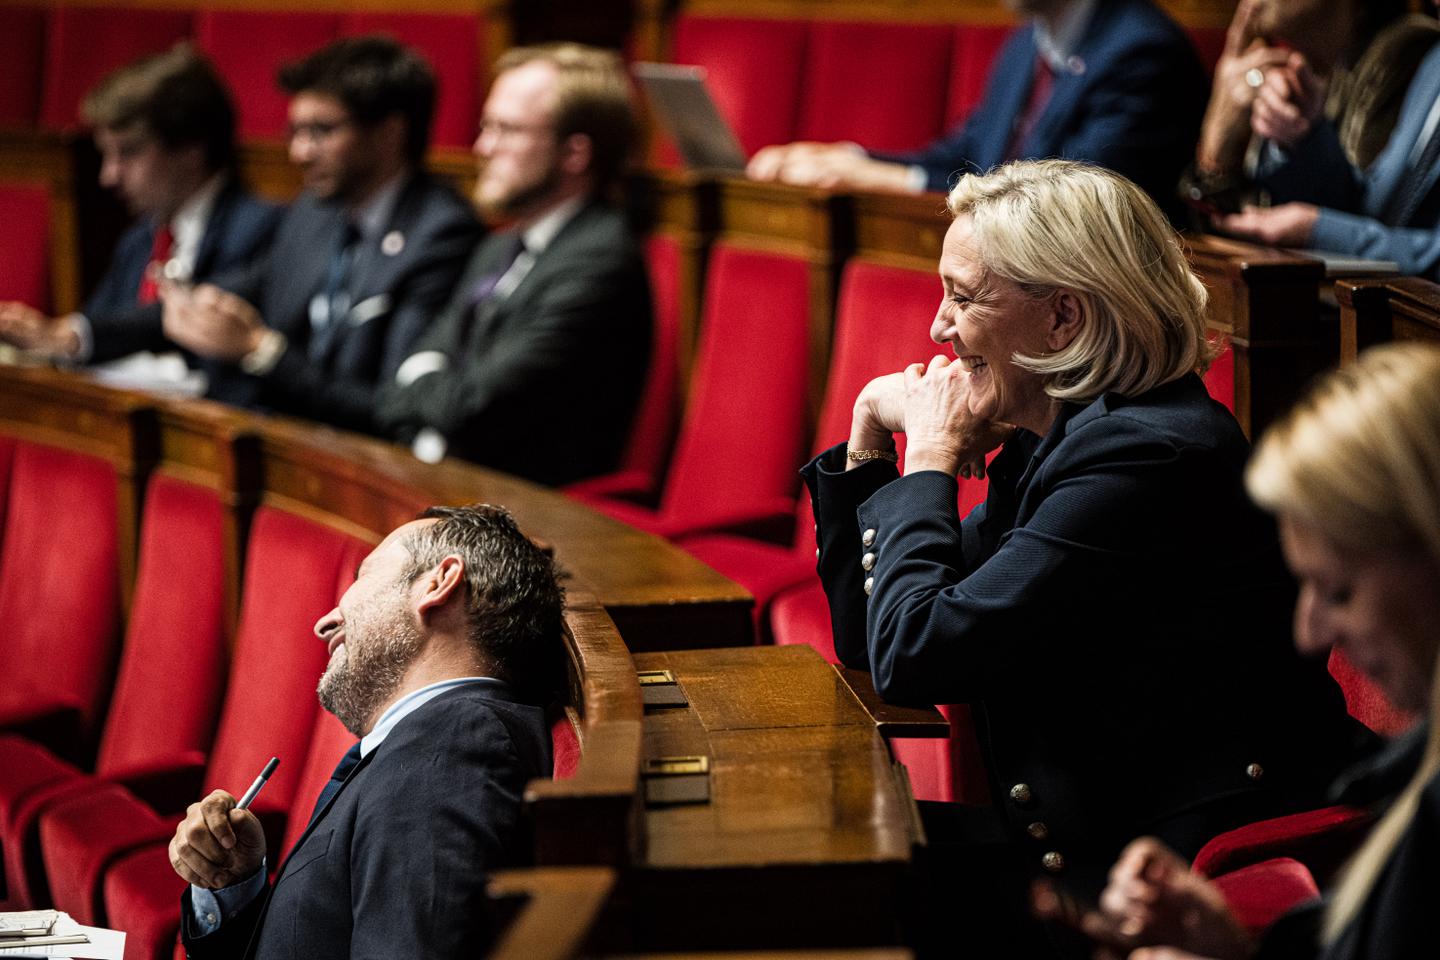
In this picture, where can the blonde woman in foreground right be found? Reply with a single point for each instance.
(1353, 474)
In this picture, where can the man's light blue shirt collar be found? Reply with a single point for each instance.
(411, 702)
(1058, 43)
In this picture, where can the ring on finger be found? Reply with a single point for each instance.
(1254, 78)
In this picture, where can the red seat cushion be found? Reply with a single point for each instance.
(22, 43)
(452, 43)
(762, 568)
(1220, 378)
(248, 47)
(81, 836)
(975, 47)
(754, 70)
(59, 642)
(142, 897)
(85, 44)
(802, 615)
(1261, 893)
(25, 245)
(328, 742)
(32, 775)
(1326, 834)
(848, 62)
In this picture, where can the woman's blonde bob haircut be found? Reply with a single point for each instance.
(1052, 225)
(1358, 461)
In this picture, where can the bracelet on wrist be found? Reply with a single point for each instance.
(860, 455)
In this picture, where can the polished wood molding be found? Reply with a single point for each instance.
(549, 912)
(1379, 311)
(891, 720)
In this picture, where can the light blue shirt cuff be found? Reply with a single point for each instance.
(209, 908)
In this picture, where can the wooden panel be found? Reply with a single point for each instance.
(890, 720)
(1267, 302)
(803, 797)
(1379, 311)
(550, 912)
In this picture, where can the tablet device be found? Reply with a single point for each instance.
(686, 110)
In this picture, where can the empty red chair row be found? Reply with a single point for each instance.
(54, 55)
(25, 245)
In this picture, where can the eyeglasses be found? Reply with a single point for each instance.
(317, 130)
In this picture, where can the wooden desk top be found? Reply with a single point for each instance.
(798, 773)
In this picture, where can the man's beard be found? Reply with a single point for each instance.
(520, 200)
(369, 667)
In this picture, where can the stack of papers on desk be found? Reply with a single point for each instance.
(50, 933)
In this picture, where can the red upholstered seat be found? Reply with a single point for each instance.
(249, 46)
(1259, 894)
(801, 614)
(293, 567)
(974, 50)
(1365, 701)
(22, 44)
(25, 243)
(1322, 839)
(7, 456)
(452, 43)
(647, 451)
(848, 62)
(59, 597)
(86, 43)
(745, 425)
(163, 713)
(328, 742)
(1220, 378)
(754, 70)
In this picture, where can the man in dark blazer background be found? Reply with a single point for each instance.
(165, 130)
(1114, 82)
(439, 654)
(537, 362)
(361, 262)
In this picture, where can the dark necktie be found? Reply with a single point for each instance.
(482, 291)
(342, 770)
(337, 293)
(1406, 200)
(160, 251)
(1041, 86)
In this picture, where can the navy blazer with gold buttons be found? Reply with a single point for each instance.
(1117, 612)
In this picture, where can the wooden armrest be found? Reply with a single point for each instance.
(552, 910)
(890, 720)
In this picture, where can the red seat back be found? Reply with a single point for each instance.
(87, 43)
(1366, 701)
(848, 62)
(249, 46)
(746, 425)
(452, 43)
(328, 742)
(1220, 378)
(22, 42)
(292, 567)
(25, 244)
(59, 584)
(1209, 44)
(754, 70)
(653, 432)
(975, 47)
(173, 666)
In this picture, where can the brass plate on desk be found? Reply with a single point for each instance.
(675, 780)
(659, 688)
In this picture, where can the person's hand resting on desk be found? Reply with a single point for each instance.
(217, 844)
(829, 166)
(931, 406)
(29, 329)
(1286, 225)
(1152, 908)
(211, 322)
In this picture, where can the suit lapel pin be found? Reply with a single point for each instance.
(1075, 65)
(392, 243)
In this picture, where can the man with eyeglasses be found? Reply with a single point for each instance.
(362, 260)
(536, 364)
(165, 130)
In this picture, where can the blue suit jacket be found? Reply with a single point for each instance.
(1353, 201)
(1116, 611)
(1132, 103)
(401, 280)
(239, 230)
(395, 864)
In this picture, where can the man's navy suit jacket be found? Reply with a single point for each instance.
(399, 282)
(395, 864)
(238, 231)
(543, 383)
(1117, 612)
(1131, 101)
